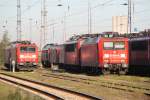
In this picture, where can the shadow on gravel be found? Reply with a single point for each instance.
(8, 70)
(4, 69)
(81, 72)
(143, 71)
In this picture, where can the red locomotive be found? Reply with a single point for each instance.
(72, 52)
(54, 53)
(45, 55)
(92, 52)
(105, 53)
(140, 52)
(23, 53)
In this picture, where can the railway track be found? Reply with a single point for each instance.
(50, 92)
(114, 85)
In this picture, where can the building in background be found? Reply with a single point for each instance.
(120, 24)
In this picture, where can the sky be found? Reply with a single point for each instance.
(71, 18)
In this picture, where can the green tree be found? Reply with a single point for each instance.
(3, 44)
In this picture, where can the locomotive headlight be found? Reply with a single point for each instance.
(122, 61)
(106, 55)
(124, 65)
(33, 56)
(21, 63)
(21, 56)
(34, 64)
(122, 55)
(106, 65)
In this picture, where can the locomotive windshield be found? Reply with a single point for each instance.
(119, 45)
(70, 47)
(108, 45)
(27, 49)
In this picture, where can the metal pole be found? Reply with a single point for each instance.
(30, 28)
(44, 20)
(129, 17)
(53, 33)
(43, 23)
(18, 20)
(64, 28)
(41, 35)
(89, 18)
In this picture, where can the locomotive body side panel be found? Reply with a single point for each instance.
(14, 54)
(62, 55)
(89, 55)
(71, 54)
(100, 53)
(7, 56)
(54, 54)
(139, 52)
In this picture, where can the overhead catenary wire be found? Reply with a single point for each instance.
(4, 3)
(96, 7)
(85, 11)
(26, 9)
(31, 6)
(89, 19)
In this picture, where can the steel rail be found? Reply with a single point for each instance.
(78, 94)
(88, 81)
(38, 91)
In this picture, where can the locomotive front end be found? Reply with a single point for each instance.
(115, 55)
(27, 57)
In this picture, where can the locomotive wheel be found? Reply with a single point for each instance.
(123, 71)
(105, 71)
(43, 64)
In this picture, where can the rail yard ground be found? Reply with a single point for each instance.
(106, 87)
(7, 92)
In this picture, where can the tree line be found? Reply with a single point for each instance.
(3, 44)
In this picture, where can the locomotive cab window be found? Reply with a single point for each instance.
(23, 49)
(139, 45)
(70, 47)
(31, 49)
(108, 45)
(27, 49)
(108, 35)
(91, 40)
(119, 45)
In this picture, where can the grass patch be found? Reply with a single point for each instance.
(96, 90)
(8, 92)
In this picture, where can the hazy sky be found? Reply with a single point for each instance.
(76, 17)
